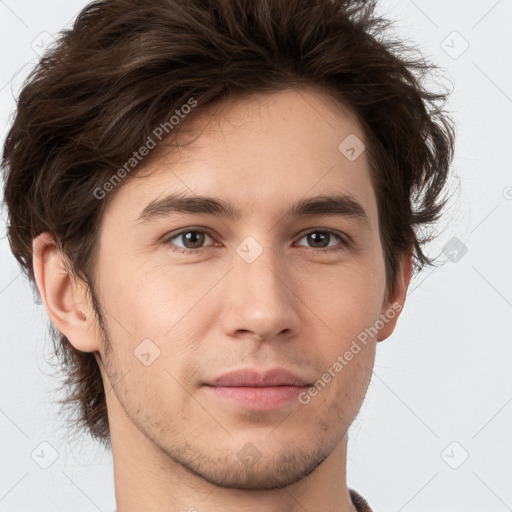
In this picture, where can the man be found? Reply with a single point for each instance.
(219, 202)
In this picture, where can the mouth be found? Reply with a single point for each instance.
(255, 390)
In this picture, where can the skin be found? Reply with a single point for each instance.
(175, 446)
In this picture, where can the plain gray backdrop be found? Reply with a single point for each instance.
(434, 432)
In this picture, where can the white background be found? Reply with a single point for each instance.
(442, 384)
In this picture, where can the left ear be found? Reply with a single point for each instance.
(393, 306)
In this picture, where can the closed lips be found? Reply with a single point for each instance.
(257, 379)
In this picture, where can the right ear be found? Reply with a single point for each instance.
(65, 298)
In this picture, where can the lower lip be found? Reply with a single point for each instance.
(264, 398)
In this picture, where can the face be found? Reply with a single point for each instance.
(229, 333)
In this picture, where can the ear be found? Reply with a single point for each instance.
(65, 298)
(393, 306)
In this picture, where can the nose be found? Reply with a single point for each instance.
(259, 299)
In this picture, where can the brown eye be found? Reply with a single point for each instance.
(188, 240)
(324, 239)
(193, 239)
(319, 238)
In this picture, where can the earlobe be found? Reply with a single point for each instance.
(65, 300)
(393, 307)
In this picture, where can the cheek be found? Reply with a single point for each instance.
(343, 308)
(346, 299)
(155, 302)
(179, 305)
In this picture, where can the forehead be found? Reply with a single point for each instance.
(263, 150)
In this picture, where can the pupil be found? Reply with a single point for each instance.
(194, 237)
(322, 237)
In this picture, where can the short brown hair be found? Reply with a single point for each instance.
(126, 65)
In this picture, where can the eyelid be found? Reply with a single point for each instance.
(342, 236)
(345, 240)
(345, 243)
(166, 239)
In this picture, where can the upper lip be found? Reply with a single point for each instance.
(250, 377)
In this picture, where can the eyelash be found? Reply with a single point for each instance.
(191, 252)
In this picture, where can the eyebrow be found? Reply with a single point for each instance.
(343, 205)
